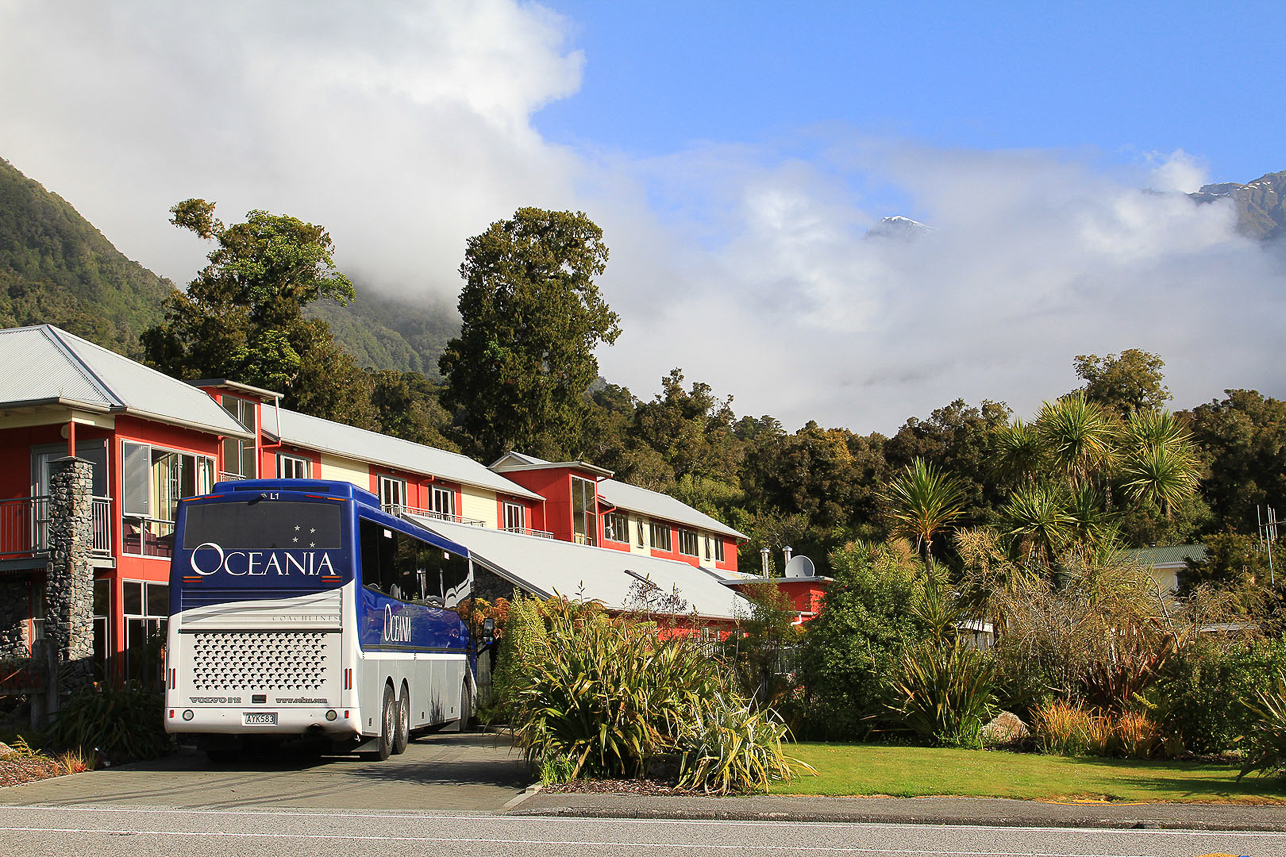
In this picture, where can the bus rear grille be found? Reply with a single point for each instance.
(263, 660)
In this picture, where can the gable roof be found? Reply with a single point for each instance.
(654, 504)
(518, 461)
(322, 435)
(44, 365)
(625, 496)
(549, 567)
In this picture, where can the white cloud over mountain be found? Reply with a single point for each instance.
(407, 127)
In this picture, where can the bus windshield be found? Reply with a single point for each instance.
(280, 524)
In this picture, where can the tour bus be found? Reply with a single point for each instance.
(300, 608)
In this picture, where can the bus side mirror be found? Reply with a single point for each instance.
(488, 631)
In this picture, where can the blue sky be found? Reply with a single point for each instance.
(735, 156)
(1124, 79)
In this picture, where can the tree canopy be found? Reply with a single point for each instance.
(531, 317)
(242, 316)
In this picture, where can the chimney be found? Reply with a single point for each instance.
(787, 551)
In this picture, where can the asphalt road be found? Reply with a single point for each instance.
(440, 771)
(61, 831)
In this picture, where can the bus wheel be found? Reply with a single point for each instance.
(401, 732)
(466, 708)
(388, 725)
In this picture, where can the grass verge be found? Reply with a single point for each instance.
(875, 769)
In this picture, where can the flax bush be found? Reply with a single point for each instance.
(943, 693)
(612, 698)
(118, 723)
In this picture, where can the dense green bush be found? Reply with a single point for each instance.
(944, 693)
(1202, 692)
(867, 621)
(118, 723)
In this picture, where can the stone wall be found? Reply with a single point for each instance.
(15, 607)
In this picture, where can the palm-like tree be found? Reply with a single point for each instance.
(1037, 524)
(1020, 451)
(1080, 438)
(921, 502)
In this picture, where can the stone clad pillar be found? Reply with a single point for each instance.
(69, 592)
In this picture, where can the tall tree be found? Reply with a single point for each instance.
(242, 316)
(1244, 436)
(1124, 384)
(531, 317)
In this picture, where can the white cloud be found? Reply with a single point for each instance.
(405, 128)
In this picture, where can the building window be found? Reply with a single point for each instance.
(444, 502)
(584, 519)
(718, 550)
(238, 454)
(707, 540)
(145, 607)
(687, 542)
(153, 481)
(616, 527)
(515, 517)
(392, 493)
(661, 537)
(102, 605)
(293, 467)
(639, 530)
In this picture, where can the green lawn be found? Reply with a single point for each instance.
(876, 769)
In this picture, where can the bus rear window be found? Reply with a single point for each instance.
(264, 524)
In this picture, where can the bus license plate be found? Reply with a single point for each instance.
(259, 718)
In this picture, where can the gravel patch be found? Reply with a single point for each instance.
(26, 769)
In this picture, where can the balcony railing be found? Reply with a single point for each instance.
(24, 527)
(399, 509)
(528, 531)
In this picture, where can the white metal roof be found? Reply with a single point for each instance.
(46, 365)
(547, 567)
(338, 439)
(654, 504)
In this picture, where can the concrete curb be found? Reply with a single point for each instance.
(983, 812)
(526, 793)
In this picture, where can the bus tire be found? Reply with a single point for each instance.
(402, 732)
(388, 725)
(466, 708)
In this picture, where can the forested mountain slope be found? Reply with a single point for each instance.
(56, 268)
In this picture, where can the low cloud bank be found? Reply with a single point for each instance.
(406, 128)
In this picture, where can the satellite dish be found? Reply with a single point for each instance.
(800, 566)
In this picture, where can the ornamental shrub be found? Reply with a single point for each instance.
(868, 619)
(1202, 692)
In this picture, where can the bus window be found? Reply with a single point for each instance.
(403, 567)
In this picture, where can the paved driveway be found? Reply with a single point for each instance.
(442, 771)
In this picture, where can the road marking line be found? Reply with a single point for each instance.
(339, 837)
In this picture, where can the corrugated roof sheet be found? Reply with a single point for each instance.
(336, 438)
(1172, 555)
(658, 505)
(44, 363)
(548, 567)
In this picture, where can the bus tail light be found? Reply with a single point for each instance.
(348, 679)
(174, 678)
(171, 713)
